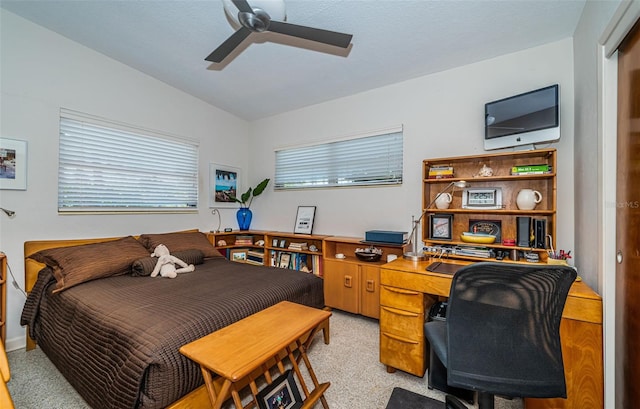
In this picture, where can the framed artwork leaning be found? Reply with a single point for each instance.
(304, 219)
(281, 394)
(440, 226)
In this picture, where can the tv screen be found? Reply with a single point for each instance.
(524, 119)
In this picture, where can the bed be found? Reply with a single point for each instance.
(114, 332)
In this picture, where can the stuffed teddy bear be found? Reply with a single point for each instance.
(166, 264)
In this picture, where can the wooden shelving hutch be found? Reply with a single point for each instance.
(312, 253)
(274, 244)
(467, 168)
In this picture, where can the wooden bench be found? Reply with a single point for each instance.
(252, 347)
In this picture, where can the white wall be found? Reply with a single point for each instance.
(41, 72)
(442, 115)
(589, 171)
(587, 155)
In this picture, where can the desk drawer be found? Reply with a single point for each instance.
(408, 300)
(404, 354)
(409, 325)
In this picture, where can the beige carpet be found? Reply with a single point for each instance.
(350, 363)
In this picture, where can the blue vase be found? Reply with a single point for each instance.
(244, 216)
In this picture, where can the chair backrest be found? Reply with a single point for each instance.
(503, 329)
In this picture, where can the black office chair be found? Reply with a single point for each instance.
(502, 332)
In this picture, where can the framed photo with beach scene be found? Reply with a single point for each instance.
(13, 164)
(224, 182)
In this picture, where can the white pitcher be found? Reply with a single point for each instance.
(443, 201)
(527, 199)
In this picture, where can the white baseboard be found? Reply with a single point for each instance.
(15, 343)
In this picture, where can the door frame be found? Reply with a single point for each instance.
(621, 23)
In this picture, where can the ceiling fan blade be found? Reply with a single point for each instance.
(229, 45)
(243, 6)
(310, 33)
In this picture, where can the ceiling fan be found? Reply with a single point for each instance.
(257, 20)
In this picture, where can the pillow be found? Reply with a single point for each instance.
(180, 241)
(144, 266)
(77, 264)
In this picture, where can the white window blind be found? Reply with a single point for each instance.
(374, 159)
(109, 167)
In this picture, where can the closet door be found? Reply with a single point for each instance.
(628, 223)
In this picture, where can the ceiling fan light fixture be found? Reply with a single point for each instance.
(256, 21)
(275, 9)
(252, 18)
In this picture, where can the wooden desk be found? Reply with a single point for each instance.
(408, 290)
(260, 341)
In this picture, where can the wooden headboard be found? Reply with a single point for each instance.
(32, 267)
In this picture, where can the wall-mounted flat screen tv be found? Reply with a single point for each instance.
(524, 119)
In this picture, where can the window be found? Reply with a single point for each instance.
(367, 160)
(109, 167)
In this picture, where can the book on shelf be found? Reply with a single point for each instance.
(298, 246)
(284, 259)
(483, 252)
(308, 263)
(255, 257)
(531, 169)
(440, 172)
(244, 240)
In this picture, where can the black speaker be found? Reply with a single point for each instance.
(524, 231)
(540, 231)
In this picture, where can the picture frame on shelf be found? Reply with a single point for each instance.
(440, 226)
(304, 219)
(274, 243)
(224, 182)
(282, 243)
(282, 393)
(493, 227)
(13, 164)
(285, 259)
(238, 255)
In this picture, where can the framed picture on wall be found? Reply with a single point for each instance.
(13, 164)
(224, 183)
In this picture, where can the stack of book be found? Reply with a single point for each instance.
(440, 172)
(298, 246)
(473, 251)
(255, 257)
(244, 240)
(531, 169)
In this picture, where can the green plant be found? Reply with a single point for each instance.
(247, 197)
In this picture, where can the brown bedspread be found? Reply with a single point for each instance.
(116, 339)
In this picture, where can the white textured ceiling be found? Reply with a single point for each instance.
(393, 40)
